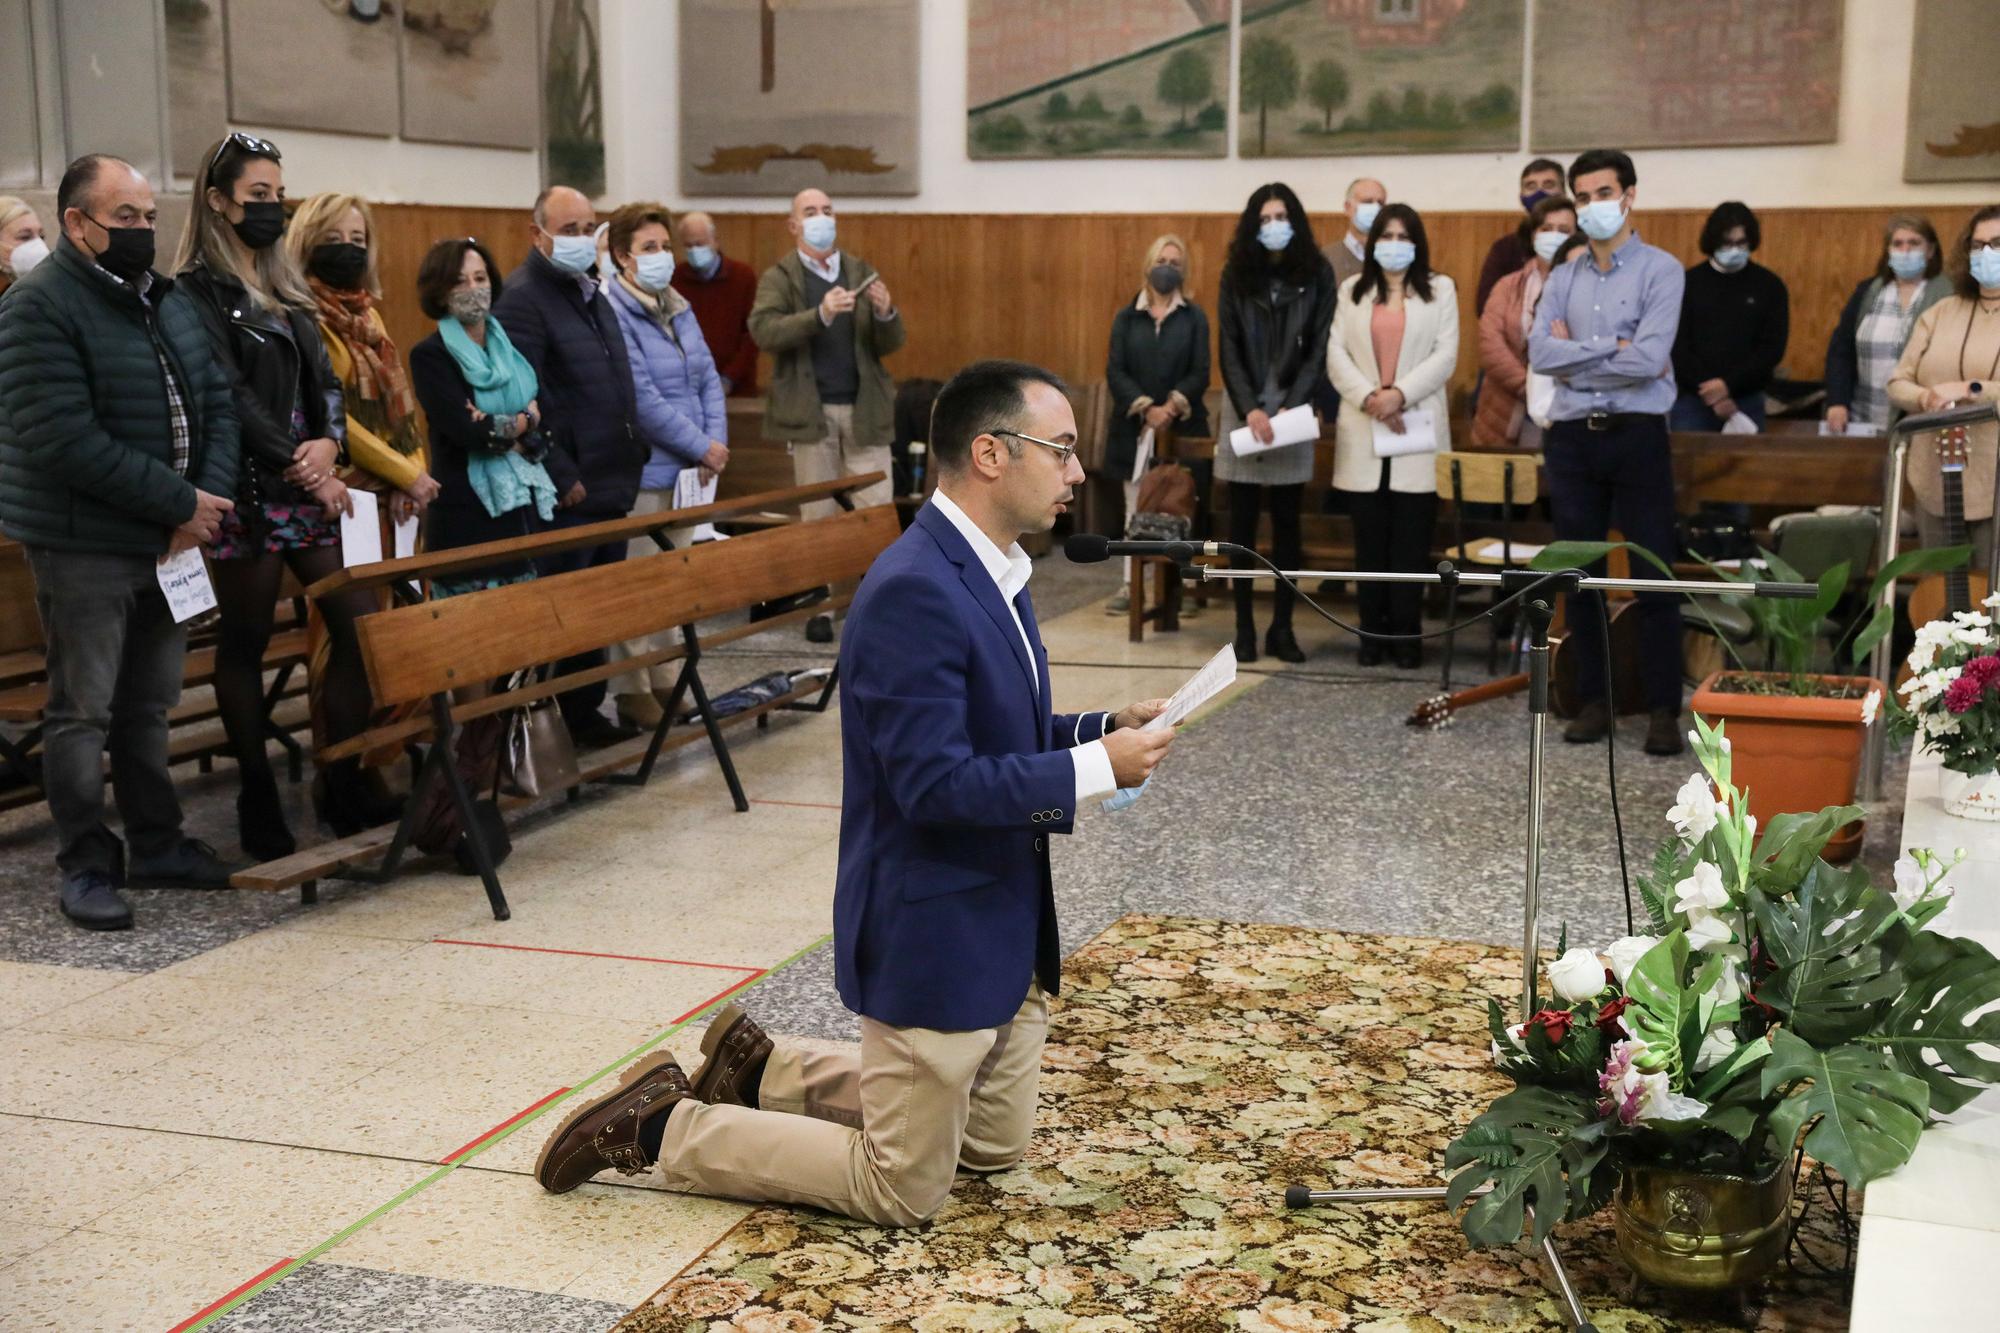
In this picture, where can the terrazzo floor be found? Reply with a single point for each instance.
(240, 1083)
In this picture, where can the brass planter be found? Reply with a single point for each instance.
(1696, 1232)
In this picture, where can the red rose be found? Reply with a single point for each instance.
(1554, 1024)
(1607, 1017)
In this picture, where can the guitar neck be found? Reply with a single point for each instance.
(1957, 586)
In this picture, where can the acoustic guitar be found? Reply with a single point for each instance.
(1435, 712)
(1937, 596)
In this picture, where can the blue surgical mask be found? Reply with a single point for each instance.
(702, 258)
(1275, 235)
(1600, 219)
(1908, 264)
(1986, 267)
(1731, 258)
(1395, 256)
(1548, 242)
(1365, 215)
(655, 270)
(573, 254)
(818, 231)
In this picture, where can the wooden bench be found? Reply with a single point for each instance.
(24, 689)
(419, 654)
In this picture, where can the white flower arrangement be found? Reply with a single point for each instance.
(1951, 702)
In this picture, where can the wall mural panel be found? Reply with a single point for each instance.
(572, 96)
(1327, 78)
(1954, 130)
(1686, 73)
(197, 81)
(326, 65)
(778, 95)
(1097, 78)
(469, 72)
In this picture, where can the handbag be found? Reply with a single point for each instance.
(538, 757)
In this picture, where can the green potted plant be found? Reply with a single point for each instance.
(1776, 1005)
(1799, 732)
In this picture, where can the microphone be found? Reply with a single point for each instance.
(1087, 548)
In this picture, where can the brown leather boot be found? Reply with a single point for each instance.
(604, 1132)
(734, 1050)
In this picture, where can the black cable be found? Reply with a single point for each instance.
(1611, 749)
(1419, 637)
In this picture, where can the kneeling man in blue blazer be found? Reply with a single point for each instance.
(955, 773)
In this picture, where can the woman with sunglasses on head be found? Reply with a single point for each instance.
(1392, 352)
(260, 317)
(1273, 313)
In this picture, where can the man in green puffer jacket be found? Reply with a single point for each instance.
(118, 446)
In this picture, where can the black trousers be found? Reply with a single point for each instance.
(1392, 532)
(582, 703)
(1621, 477)
(1245, 499)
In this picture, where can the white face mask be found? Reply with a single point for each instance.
(655, 271)
(1601, 218)
(818, 231)
(1365, 215)
(573, 254)
(1548, 242)
(28, 254)
(1730, 258)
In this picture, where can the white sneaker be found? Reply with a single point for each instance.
(1119, 605)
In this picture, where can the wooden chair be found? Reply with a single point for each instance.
(423, 652)
(1511, 481)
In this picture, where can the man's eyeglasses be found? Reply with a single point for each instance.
(1063, 452)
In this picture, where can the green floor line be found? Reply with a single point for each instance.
(383, 1210)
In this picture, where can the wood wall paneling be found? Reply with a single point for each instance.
(1043, 287)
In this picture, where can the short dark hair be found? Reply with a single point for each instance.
(1603, 159)
(1542, 164)
(77, 180)
(984, 398)
(439, 273)
(1726, 218)
(1417, 277)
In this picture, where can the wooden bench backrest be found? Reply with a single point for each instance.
(1483, 477)
(20, 623)
(414, 652)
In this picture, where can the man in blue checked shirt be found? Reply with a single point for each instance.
(1605, 332)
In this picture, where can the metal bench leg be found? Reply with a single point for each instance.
(295, 754)
(711, 722)
(644, 772)
(468, 818)
(17, 758)
(309, 893)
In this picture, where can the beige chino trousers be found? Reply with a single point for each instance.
(837, 455)
(876, 1134)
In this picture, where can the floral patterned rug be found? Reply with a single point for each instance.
(1194, 1069)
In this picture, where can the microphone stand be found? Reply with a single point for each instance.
(1539, 611)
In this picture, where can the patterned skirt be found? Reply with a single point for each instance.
(272, 529)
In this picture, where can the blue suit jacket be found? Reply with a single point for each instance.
(954, 776)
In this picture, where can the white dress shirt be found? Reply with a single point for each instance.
(828, 269)
(1356, 246)
(1010, 571)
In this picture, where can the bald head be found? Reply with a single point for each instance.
(99, 191)
(561, 211)
(1363, 191)
(696, 229)
(807, 205)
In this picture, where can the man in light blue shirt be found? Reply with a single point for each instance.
(1605, 331)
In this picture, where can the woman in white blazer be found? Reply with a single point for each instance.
(1392, 349)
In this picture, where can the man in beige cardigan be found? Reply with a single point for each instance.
(827, 320)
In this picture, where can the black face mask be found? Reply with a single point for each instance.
(128, 253)
(339, 264)
(263, 223)
(1165, 279)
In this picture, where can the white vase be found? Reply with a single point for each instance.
(1970, 795)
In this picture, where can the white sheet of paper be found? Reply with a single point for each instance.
(184, 580)
(406, 536)
(689, 491)
(1491, 549)
(1419, 435)
(1217, 675)
(1294, 425)
(361, 531)
(1142, 457)
(1860, 428)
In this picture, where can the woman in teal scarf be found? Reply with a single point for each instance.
(478, 395)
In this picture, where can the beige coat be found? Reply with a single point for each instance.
(1943, 350)
(1424, 367)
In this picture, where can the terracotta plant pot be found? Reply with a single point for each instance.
(1793, 754)
(1696, 1232)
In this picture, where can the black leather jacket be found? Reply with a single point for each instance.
(272, 360)
(1261, 333)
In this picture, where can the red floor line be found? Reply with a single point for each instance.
(522, 1114)
(802, 805)
(585, 953)
(214, 1305)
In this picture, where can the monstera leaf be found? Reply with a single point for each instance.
(1833, 973)
(1791, 843)
(1536, 1146)
(1946, 982)
(1664, 1012)
(1864, 1115)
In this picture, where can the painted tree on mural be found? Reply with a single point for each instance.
(1186, 82)
(1270, 80)
(1326, 88)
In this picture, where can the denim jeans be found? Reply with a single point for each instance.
(115, 660)
(1623, 478)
